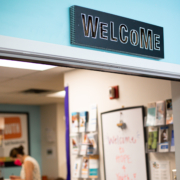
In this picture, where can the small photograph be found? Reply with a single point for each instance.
(1, 137)
(76, 170)
(85, 140)
(160, 113)
(74, 143)
(75, 119)
(83, 118)
(163, 134)
(151, 114)
(169, 104)
(93, 166)
(85, 163)
(75, 122)
(85, 167)
(169, 112)
(152, 138)
(155, 165)
(92, 144)
(82, 121)
(76, 166)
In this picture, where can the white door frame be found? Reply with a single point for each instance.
(40, 52)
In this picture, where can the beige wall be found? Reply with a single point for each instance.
(52, 118)
(86, 87)
(61, 141)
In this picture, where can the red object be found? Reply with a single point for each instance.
(44, 178)
(17, 162)
(116, 89)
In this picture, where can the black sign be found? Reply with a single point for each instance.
(110, 32)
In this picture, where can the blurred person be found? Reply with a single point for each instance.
(30, 167)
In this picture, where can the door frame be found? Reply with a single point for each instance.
(75, 57)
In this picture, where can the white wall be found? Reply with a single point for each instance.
(176, 114)
(86, 87)
(52, 118)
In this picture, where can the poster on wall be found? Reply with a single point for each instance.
(15, 134)
(159, 170)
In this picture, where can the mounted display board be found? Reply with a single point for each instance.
(124, 148)
(15, 134)
(106, 31)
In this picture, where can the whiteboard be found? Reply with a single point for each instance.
(124, 150)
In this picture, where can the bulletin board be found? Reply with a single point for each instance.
(124, 149)
(15, 134)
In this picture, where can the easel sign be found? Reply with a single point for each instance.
(124, 148)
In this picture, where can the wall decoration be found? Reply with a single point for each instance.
(115, 33)
(16, 133)
(160, 170)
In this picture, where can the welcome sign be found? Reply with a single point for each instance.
(110, 32)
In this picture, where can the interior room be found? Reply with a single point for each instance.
(40, 93)
(36, 92)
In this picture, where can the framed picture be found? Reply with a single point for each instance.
(14, 132)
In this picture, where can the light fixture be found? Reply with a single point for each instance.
(24, 65)
(60, 94)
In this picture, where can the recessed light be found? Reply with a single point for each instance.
(24, 65)
(60, 94)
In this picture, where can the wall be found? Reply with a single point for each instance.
(86, 87)
(48, 20)
(35, 129)
(61, 130)
(52, 119)
(176, 114)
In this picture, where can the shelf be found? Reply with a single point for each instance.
(157, 150)
(160, 152)
(145, 120)
(159, 125)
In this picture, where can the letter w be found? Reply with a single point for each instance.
(90, 26)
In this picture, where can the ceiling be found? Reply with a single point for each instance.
(13, 81)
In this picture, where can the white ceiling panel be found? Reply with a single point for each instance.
(34, 100)
(47, 75)
(2, 79)
(13, 81)
(24, 84)
(14, 72)
(8, 90)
